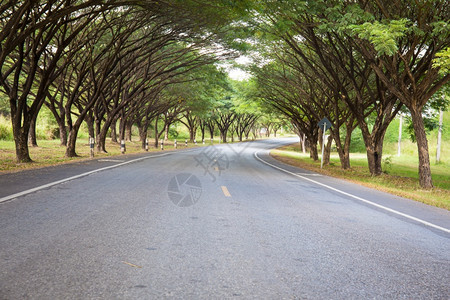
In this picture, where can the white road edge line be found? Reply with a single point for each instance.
(26, 192)
(355, 197)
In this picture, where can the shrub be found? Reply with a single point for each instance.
(357, 144)
(173, 134)
(5, 129)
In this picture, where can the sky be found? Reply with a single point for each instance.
(237, 73)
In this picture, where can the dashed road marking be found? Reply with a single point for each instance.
(225, 191)
(133, 265)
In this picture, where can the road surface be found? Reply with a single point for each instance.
(222, 222)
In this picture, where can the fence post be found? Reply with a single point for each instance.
(91, 145)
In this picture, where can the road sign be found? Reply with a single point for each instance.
(325, 123)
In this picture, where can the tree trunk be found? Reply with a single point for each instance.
(140, 129)
(327, 150)
(223, 135)
(32, 133)
(203, 132)
(313, 151)
(101, 140)
(374, 155)
(122, 125)
(343, 150)
(374, 147)
(71, 143)
(247, 132)
(128, 130)
(143, 136)
(113, 128)
(63, 134)
(422, 147)
(166, 132)
(156, 133)
(98, 127)
(89, 119)
(192, 131)
(313, 138)
(21, 142)
(191, 134)
(344, 158)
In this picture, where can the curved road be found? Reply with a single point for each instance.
(214, 223)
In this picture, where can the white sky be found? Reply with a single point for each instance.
(235, 72)
(238, 74)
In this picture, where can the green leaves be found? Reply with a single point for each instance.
(441, 29)
(384, 37)
(442, 61)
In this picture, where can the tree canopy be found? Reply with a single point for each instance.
(147, 62)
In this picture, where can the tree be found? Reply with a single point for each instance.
(29, 54)
(276, 92)
(246, 107)
(319, 46)
(29, 51)
(401, 40)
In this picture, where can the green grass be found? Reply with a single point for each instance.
(401, 178)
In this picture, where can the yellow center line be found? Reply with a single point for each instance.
(133, 265)
(225, 191)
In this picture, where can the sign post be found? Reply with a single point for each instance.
(324, 124)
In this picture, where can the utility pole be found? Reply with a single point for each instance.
(439, 137)
(400, 135)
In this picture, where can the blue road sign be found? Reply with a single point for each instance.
(325, 123)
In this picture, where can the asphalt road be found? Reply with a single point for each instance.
(214, 223)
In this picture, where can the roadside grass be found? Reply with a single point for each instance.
(400, 177)
(50, 153)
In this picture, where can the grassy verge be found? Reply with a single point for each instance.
(50, 153)
(401, 178)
